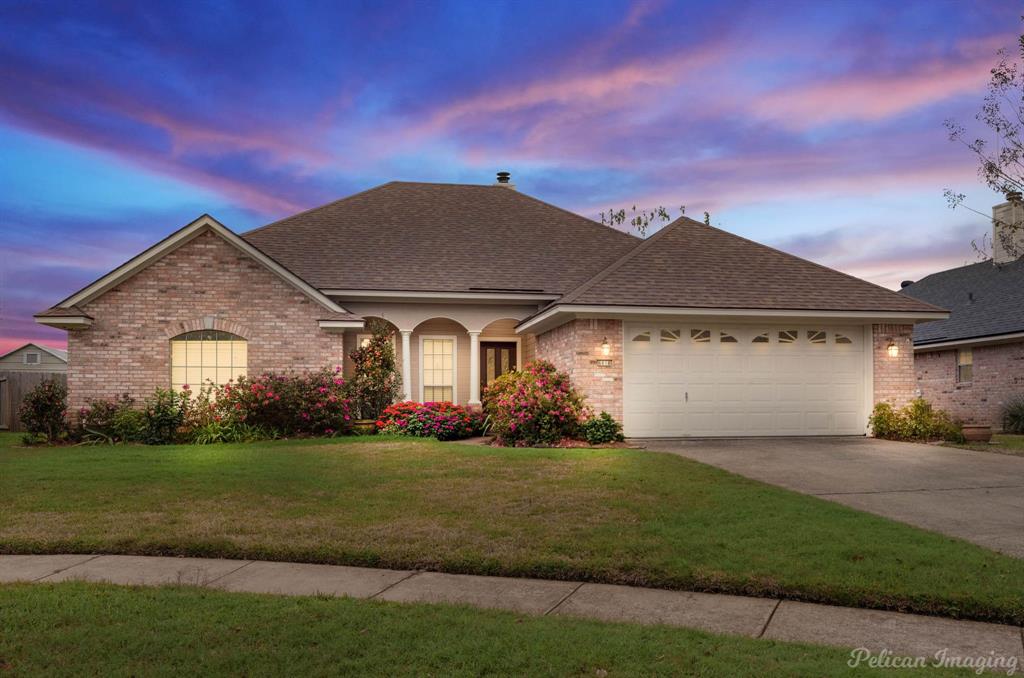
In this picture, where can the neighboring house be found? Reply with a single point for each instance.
(973, 362)
(20, 371)
(694, 331)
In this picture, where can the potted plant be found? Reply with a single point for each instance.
(977, 433)
(376, 382)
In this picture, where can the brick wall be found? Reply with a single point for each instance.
(206, 283)
(894, 378)
(998, 375)
(574, 348)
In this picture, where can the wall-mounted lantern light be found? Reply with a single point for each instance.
(606, 348)
(893, 350)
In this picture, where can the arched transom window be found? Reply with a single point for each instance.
(206, 357)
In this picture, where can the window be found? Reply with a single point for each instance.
(788, 336)
(726, 338)
(207, 357)
(964, 365)
(363, 340)
(438, 369)
(843, 339)
(816, 336)
(31, 358)
(643, 336)
(760, 339)
(670, 336)
(700, 336)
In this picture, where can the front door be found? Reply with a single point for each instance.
(496, 358)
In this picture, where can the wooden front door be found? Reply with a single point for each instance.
(496, 358)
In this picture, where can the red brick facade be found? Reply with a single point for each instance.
(206, 283)
(894, 380)
(575, 348)
(997, 375)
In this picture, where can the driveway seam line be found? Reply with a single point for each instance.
(394, 584)
(771, 615)
(564, 598)
(921, 489)
(226, 574)
(65, 569)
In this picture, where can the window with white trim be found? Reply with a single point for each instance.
(438, 369)
(206, 357)
(964, 365)
(31, 358)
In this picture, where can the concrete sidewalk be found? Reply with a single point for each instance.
(901, 634)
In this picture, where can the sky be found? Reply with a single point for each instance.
(815, 127)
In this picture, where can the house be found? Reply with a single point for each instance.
(21, 369)
(973, 362)
(693, 331)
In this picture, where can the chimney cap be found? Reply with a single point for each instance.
(906, 283)
(504, 177)
(1013, 196)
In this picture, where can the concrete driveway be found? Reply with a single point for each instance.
(977, 496)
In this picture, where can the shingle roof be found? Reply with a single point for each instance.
(984, 300)
(690, 264)
(63, 312)
(442, 238)
(59, 353)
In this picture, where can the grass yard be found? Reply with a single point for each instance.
(1003, 443)
(88, 629)
(617, 516)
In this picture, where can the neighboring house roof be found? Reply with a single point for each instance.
(442, 238)
(58, 353)
(985, 300)
(693, 265)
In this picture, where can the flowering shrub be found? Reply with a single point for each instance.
(376, 382)
(163, 416)
(534, 406)
(111, 421)
(42, 412)
(444, 420)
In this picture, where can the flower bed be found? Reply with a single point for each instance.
(442, 420)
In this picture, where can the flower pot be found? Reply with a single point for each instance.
(364, 427)
(977, 433)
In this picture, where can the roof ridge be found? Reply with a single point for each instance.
(319, 207)
(615, 265)
(580, 216)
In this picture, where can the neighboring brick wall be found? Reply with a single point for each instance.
(998, 375)
(127, 347)
(574, 348)
(894, 377)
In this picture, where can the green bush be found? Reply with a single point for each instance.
(43, 412)
(376, 382)
(111, 421)
(601, 429)
(918, 421)
(1013, 415)
(164, 415)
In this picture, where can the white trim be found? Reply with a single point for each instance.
(869, 375)
(177, 239)
(340, 324)
(583, 310)
(474, 368)
(434, 296)
(65, 322)
(455, 363)
(406, 364)
(37, 354)
(508, 340)
(994, 339)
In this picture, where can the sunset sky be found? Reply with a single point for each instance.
(815, 127)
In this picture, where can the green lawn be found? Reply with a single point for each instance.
(88, 629)
(615, 515)
(1004, 443)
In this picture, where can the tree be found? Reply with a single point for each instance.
(1000, 164)
(642, 219)
(376, 382)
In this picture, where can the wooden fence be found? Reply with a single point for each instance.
(13, 387)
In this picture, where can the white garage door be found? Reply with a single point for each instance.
(707, 380)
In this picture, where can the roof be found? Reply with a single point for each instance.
(985, 300)
(442, 238)
(63, 312)
(693, 265)
(58, 353)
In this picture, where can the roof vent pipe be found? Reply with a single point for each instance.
(505, 179)
(906, 283)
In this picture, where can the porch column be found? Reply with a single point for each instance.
(406, 364)
(474, 369)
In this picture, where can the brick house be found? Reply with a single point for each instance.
(972, 363)
(693, 331)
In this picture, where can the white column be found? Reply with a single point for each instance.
(406, 364)
(474, 368)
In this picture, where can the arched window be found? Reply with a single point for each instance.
(206, 357)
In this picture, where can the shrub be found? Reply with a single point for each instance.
(111, 421)
(917, 421)
(376, 382)
(601, 429)
(164, 415)
(1013, 415)
(43, 412)
(443, 420)
(534, 406)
